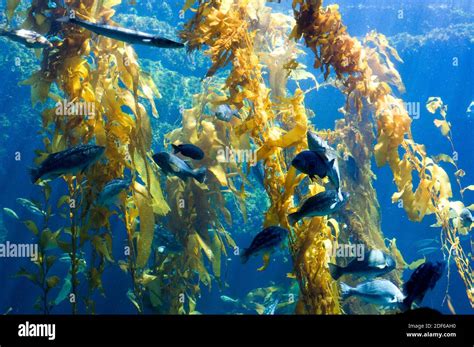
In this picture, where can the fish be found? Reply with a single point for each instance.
(111, 191)
(329, 155)
(424, 243)
(28, 38)
(466, 218)
(375, 263)
(229, 300)
(312, 163)
(189, 150)
(321, 204)
(264, 242)
(225, 113)
(424, 278)
(122, 34)
(172, 165)
(30, 206)
(428, 250)
(379, 292)
(270, 309)
(10, 213)
(70, 161)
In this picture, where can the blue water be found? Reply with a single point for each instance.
(446, 31)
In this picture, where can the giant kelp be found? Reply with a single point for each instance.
(106, 74)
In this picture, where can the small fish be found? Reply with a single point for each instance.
(321, 204)
(375, 263)
(424, 243)
(466, 218)
(428, 250)
(30, 206)
(264, 241)
(123, 34)
(189, 150)
(225, 113)
(10, 213)
(172, 165)
(70, 161)
(229, 300)
(312, 163)
(379, 292)
(29, 38)
(270, 309)
(421, 280)
(111, 191)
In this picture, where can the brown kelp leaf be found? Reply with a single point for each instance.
(11, 7)
(147, 223)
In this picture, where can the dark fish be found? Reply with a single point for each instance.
(70, 161)
(352, 168)
(321, 204)
(123, 34)
(421, 280)
(172, 165)
(29, 38)
(379, 292)
(111, 191)
(466, 218)
(264, 241)
(375, 263)
(312, 163)
(225, 113)
(189, 150)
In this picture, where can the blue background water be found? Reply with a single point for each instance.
(429, 36)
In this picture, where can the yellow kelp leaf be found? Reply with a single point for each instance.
(433, 104)
(11, 7)
(266, 262)
(111, 3)
(444, 157)
(217, 247)
(147, 224)
(414, 264)
(146, 172)
(470, 207)
(444, 126)
(218, 172)
(207, 250)
(460, 173)
(470, 187)
(334, 226)
(100, 246)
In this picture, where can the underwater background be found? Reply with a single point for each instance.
(435, 40)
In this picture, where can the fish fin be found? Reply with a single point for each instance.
(236, 114)
(259, 308)
(175, 148)
(200, 174)
(346, 290)
(332, 162)
(339, 195)
(335, 271)
(244, 257)
(266, 261)
(293, 218)
(381, 266)
(146, 40)
(34, 174)
(333, 205)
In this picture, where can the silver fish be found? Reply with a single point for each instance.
(379, 292)
(225, 113)
(10, 213)
(122, 34)
(321, 204)
(172, 165)
(70, 161)
(466, 218)
(111, 190)
(375, 263)
(29, 38)
(30, 206)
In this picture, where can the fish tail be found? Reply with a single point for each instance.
(244, 257)
(339, 195)
(236, 114)
(346, 290)
(293, 218)
(34, 174)
(175, 148)
(335, 271)
(200, 174)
